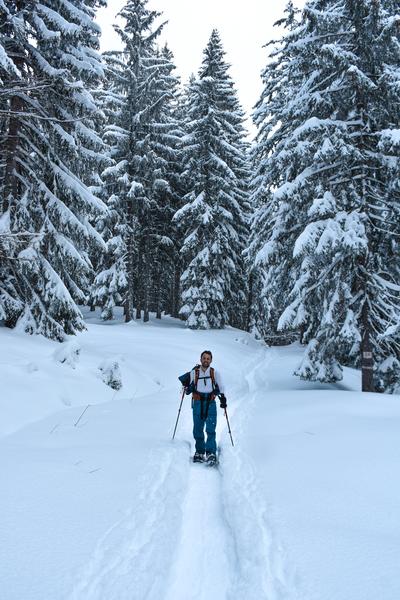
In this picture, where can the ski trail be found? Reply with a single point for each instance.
(133, 559)
(227, 548)
(201, 568)
(195, 533)
(261, 571)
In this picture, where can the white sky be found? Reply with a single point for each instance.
(244, 27)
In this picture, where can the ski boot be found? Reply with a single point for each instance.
(211, 459)
(198, 457)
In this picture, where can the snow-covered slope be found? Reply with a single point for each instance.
(305, 506)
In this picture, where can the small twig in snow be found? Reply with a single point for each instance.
(75, 424)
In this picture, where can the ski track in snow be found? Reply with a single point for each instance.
(195, 533)
(260, 571)
(201, 567)
(132, 560)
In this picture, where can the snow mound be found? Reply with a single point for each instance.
(68, 353)
(111, 373)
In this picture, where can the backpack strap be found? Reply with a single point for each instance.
(196, 395)
(212, 374)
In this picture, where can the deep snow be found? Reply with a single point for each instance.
(305, 506)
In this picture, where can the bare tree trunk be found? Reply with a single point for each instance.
(11, 182)
(127, 311)
(139, 291)
(367, 361)
(128, 308)
(249, 301)
(158, 311)
(146, 275)
(176, 292)
(158, 293)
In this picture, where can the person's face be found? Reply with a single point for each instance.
(205, 360)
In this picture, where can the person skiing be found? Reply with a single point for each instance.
(205, 384)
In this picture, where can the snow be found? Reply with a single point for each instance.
(322, 235)
(45, 33)
(67, 354)
(58, 21)
(7, 64)
(70, 181)
(5, 223)
(45, 66)
(323, 206)
(392, 135)
(111, 373)
(331, 459)
(98, 503)
(80, 16)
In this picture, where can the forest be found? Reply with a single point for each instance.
(123, 186)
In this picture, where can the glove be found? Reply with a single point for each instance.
(222, 401)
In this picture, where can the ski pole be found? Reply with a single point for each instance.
(179, 412)
(229, 427)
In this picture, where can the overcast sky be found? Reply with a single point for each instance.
(244, 27)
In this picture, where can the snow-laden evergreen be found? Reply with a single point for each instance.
(269, 286)
(326, 233)
(212, 220)
(48, 64)
(139, 103)
(177, 182)
(167, 135)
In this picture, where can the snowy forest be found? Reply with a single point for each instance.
(123, 186)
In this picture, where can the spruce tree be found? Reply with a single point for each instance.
(328, 219)
(166, 140)
(179, 189)
(211, 222)
(268, 257)
(48, 64)
(141, 88)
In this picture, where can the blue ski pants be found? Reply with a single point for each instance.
(209, 423)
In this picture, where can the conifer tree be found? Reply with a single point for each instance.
(140, 130)
(48, 63)
(327, 229)
(268, 257)
(212, 221)
(166, 140)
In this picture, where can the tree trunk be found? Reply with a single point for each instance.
(249, 301)
(367, 361)
(146, 275)
(158, 294)
(176, 292)
(11, 182)
(139, 291)
(128, 309)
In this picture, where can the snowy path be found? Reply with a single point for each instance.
(202, 565)
(195, 533)
(132, 559)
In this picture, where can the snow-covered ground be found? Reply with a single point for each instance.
(104, 506)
